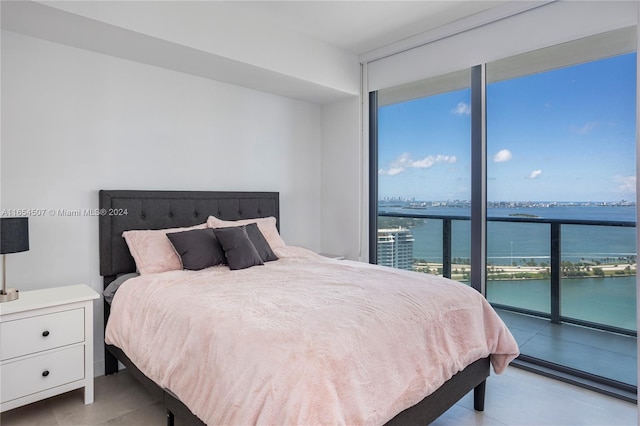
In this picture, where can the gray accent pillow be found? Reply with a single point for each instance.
(238, 248)
(197, 248)
(260, 243)
(111, 289)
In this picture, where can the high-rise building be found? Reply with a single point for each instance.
(395, 248)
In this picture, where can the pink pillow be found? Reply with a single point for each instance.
(267, 226)
(152, 250)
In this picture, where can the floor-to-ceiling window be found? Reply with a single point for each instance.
(560, 190)
(424, 169)
(561, 146)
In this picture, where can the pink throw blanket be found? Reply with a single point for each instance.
(305, 339)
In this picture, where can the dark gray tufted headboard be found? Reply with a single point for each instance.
(168, 209)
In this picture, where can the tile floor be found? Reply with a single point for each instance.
(516, 397)
(601, 353)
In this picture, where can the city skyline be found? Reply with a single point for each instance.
(567, 134)
(528, 203)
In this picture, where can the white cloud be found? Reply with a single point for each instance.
(502, 156)
(587, 128)
(404, 162)
(626, 184)
(404, 158)
(462, 109)
(535, 174)
(429, 161)
(425, 163)
(391, 171)
(397, 166)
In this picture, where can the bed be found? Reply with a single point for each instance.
(124, 210)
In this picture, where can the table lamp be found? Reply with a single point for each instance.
(14, 238)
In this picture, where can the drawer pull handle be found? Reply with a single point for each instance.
(45, 333)
(45, 373)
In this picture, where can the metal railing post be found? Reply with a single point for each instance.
(556, 271)
(446, 248)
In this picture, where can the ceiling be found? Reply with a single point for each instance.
(307, 50)
(360, 26)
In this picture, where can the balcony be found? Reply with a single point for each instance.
(569, 316)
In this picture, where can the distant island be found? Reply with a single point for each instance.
(531, 270)
(523, 215)
(412, 203)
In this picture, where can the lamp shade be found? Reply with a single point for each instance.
(14, 234)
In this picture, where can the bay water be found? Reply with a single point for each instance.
(610, 300)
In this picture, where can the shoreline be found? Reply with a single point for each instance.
(497, 272)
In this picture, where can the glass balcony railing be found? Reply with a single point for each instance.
(568, 271)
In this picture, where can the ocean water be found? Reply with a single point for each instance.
(510, 242)
(608, 300)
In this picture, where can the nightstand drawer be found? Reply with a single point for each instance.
(40, 333)
(38, 373)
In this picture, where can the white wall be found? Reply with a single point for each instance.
(246, 50)
(341, 186)
(74, 122)
(232, 30)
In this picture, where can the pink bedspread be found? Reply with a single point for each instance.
(303, 340)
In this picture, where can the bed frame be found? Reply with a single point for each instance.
(127, 209)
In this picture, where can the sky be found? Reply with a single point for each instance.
(561, 135)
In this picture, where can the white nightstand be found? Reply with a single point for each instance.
(46, 345)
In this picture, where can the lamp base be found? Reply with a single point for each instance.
(9, 295)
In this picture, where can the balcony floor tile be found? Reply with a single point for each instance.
(596, 352)
(624, 345)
